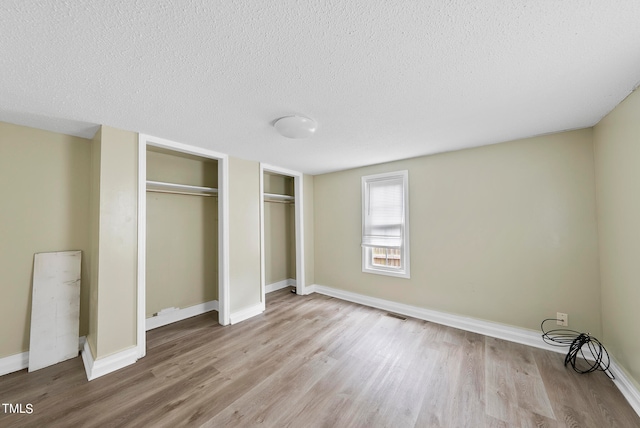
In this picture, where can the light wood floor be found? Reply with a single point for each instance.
(314, 361)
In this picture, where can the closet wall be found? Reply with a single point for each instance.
(182, 233)
(279, 230)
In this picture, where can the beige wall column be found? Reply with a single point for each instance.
(244, 234)
(309, 263)
(114, 233)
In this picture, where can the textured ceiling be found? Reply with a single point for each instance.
(384, 80)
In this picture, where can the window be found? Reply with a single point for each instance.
(385, 224)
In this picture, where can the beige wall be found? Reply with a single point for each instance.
(44, 183)
(182, 231)
(117, 258)
(291, 237)
(617, 154)
(181, 168)
(505, 233)
(278, 184)
(244, 234)
(279, 245)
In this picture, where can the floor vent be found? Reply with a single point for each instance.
(392, 315)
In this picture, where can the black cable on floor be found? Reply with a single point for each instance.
(596, 355)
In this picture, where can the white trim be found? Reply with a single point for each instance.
(263, 269)
(14, 363)
(224, 299)
(244, 314)
(625, 385)
(17, 362)
(299, 226)
(223, 228)
(487, 328)
(275, 286)
(96, 368)
(181, 314)
(298, 187)
(141, 337)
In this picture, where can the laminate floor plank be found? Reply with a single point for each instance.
(397, 392)
(328, 402)
(500, 387)
(469, 397)
(530, 389)
(570, 406)
(259, 361)
(262, 405)
(437, 404)
(533, 420)
(316, 361)
(175, 331)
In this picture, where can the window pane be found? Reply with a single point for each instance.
(385, 257)
(384, 212)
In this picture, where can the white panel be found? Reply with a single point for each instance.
(55, 308)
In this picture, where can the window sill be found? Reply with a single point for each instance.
(387, 272)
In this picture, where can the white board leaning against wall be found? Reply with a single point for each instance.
(55, 308)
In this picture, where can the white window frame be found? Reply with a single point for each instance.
(404, 270)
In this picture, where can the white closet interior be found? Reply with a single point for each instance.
(279, 231)
(181, 235)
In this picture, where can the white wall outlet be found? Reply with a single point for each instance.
(562, 319)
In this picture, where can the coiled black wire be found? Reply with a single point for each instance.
(576, 341)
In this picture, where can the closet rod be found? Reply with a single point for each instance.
(161, 185)
(278, 196)
(279, 202)
(182, 193)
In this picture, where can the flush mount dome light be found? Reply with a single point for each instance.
(295, 126)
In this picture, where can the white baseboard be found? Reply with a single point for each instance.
(87, 359)
(14, 363)
(487, 328)
(246, 313)
(181, 314)
(280, 285)
(625, 385)
(17, 362)
(81, 341)
(309, 289)
(109, 364)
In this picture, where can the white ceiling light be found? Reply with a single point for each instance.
(296, 126)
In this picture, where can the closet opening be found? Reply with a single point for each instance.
(282, 230)
(182, 242)
(279, 232)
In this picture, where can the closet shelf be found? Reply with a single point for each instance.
(180, 189)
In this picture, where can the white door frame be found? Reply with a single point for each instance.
(298, 185)
(223, 228)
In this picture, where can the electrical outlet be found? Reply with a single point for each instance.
(563, 319)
